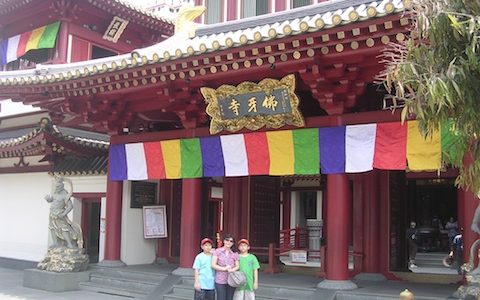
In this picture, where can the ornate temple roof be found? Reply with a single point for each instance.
(213, 38)
(34, 141)
(74, 165)
(121, 8)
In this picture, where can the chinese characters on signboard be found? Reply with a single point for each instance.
(256, 103)
(271, 103)
(115, 29)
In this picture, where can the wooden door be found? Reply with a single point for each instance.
(399, 216)
(264, 210)
(91, 227)
(175, 217)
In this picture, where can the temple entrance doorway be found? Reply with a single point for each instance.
(91, 227)
(431, 204)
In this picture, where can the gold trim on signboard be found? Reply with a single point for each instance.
(217, 124)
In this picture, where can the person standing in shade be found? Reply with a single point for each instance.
(225, 261)
(457, 251)
(452, 227)
(249, 266)
(204, 274)
(412, 237)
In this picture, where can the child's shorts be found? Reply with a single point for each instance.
(244, 295)
(205, 295)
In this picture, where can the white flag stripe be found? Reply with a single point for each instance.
(359, 147)
(12, 47)
(136, 162)
(234, 155)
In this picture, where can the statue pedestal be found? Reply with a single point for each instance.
(471, 290)
(52, 281)
(63, 260)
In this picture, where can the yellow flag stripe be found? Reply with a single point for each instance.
(35, 38)
(423, 153)
(280, 147)
(172, 158)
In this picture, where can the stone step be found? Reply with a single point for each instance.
(265, 292)
(349, 296)
(129, 274)
(431, 256)
(127, 283)
(422, 264)
(183, 289)
(176, 297)
(124, 292)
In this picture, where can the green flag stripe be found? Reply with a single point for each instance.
(306, 149)
(191, 157)
(451, 144)
(49, 36)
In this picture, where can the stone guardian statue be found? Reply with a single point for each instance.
(471, 290)
(66, 253)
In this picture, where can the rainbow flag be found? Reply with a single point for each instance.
(329, 150)
(16, 46)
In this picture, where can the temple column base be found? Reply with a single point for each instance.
(340, 285)
(111, 263)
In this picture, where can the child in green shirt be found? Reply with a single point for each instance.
(249, 266)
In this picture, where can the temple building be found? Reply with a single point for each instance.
(270, 127)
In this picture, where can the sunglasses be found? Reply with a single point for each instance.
(229, 240)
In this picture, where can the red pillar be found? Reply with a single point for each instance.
(190, 222)
(371, 211)
(61, 54)
(165, 188)
(231, 10)
(280, 5)
(113, 228)
(468, 202)
(236, 208)
(338, 214)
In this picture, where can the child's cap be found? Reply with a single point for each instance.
(206, 240)
(243, 241)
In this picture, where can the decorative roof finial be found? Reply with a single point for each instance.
(184, 24)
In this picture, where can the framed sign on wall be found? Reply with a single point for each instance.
(154, 222)
(143, 193)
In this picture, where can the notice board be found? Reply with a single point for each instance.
(154, 222)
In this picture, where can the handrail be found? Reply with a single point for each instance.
(274, 254)
(293, 238)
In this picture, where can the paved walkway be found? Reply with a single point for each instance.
(11, 288)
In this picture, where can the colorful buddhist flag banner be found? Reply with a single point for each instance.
(16, 46)
(329, 150)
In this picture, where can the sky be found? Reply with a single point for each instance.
(8, 108)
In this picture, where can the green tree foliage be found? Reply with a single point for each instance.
(436, 73)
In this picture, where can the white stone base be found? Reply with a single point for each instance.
(53, 281)
(340, 285)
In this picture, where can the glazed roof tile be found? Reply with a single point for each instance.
(85, 139)
(127, 8)
(105, 4)
(74, 165)
(211, 38)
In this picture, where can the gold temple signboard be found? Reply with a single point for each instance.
(115, 29)
(271, 103)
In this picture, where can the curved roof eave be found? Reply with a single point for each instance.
(213, 38)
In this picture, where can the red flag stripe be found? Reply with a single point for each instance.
(390, 146)
(154, 158)
(257, 153)
(22, 44)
